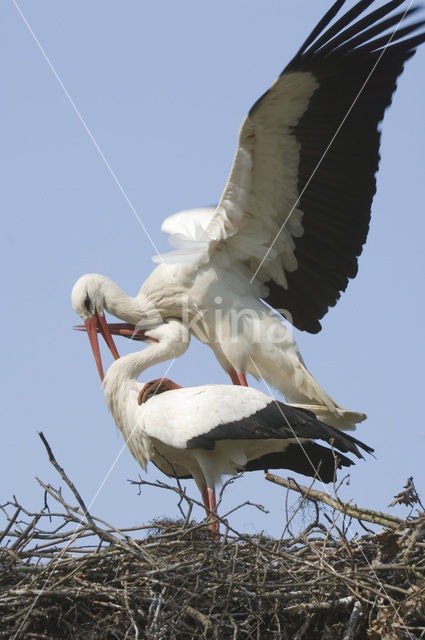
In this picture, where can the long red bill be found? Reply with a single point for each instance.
(91, 328)
(94, 325)
(104, 330)
(120, 329)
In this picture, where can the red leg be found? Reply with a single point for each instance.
(215, 524)
(234, 377)
(205, 499)
(211, 499)
(210, 503)
(242, 378)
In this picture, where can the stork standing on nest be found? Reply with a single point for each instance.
(294, 214)
(208, 431)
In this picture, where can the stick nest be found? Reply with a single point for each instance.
(66, 574)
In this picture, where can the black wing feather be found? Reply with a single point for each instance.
(279, 421)
(339, 26)
(338, 183)
(327, 18)
(351, 37)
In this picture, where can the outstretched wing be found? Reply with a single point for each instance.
(296, 207)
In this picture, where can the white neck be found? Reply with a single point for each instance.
(122, 388)
(121, 385)
(117, 302)
(121, 377)
(128, 368)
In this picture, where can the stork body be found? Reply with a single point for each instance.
(294, 214)
(245, 339)
(208, 431)
(224, 311)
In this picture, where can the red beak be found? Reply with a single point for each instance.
(93, 325)
(120, 329)
(97, 324)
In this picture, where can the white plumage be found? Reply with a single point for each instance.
(207, 431)
(293, 216)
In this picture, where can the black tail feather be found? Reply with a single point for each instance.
(311, 459)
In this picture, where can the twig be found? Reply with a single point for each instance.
(12, 521)
(376, 517)
(353, 622)
(198, 616)
(103, 535)
(249, 586)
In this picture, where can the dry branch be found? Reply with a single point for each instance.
(66, 574)
(376, 517)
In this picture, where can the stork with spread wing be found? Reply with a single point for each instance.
(293, 216)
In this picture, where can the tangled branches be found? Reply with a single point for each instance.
(67, 574)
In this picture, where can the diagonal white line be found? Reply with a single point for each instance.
(289, 425)
(155, 248)
(125, 442)
(330, 143)
(74, 536)
(327, 492)
(83, 122)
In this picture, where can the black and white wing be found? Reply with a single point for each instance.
(295, 211)
(252, 429)
(302, 432)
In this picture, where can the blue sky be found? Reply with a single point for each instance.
(163, 88)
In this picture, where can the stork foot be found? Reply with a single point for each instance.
(214, 527)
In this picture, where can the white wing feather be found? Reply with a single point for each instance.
(261, 193)
(208, 406)
(188, 233)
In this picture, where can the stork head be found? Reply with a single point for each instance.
(87, 296)
(88, 301)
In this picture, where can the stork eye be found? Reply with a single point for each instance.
(88, 304)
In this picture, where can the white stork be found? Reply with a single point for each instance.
(293, 216)
(208, 431)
